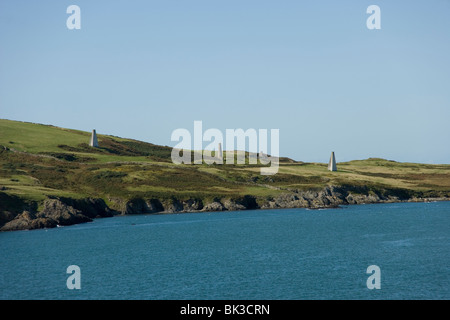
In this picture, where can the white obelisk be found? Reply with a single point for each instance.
(332, 163)
(94, 141)
(219, 154)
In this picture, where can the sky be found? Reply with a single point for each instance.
(312, 69)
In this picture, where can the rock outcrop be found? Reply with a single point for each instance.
(58, 212)
(66, 211)
(214, 206)
(62, 213)
(28, 221)
(137, 206)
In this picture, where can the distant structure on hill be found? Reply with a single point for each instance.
(220, 152)
(94, 141)
(332, 163)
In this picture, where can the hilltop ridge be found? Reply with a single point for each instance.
(50, 176)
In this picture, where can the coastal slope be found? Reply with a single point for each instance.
(50, 176)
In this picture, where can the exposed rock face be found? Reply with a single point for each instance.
(359, 198)
(214, 206)
(28, 221)
(245, 203)
(12, 206)
(92, 208)
(173, 205)
(192, 205)
(329, 197)
(233, 205)
(61, 212)
(155, 205)
(137, 206)
(65, 211)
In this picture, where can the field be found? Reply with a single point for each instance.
(40, 161)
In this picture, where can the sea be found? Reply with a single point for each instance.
(358, 252)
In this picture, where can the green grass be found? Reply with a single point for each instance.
(72, 145)
(41, 161)
(38, 138)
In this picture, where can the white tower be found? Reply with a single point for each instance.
(219, 152)
(332, 163)
(94, 141)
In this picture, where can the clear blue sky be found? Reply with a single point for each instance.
(140, 69)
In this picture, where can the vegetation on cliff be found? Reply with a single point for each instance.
(41, 163)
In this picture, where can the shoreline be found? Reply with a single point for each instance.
(59, 212)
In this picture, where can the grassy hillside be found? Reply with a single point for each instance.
(38, 161)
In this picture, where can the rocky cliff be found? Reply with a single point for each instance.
(58, 212)
(66, 211)
(329, 197)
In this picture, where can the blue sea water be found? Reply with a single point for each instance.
(287, 254)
